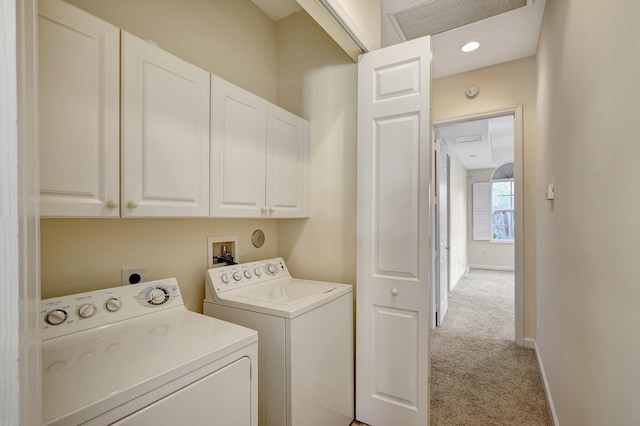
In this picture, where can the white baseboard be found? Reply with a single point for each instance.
(530, 343)
(493, 268)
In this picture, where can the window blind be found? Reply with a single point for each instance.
(482, 211)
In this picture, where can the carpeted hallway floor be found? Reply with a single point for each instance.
(478, 375)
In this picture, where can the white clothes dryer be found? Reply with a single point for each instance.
(134, 355)
(305, 334)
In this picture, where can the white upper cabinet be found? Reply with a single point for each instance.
(79, 116)
(238, 144)
(287, 178)
(259, 156)
(165, 133)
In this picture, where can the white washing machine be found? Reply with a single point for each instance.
(305, 333)
(134, 355)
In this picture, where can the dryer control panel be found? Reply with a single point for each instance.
(242, 275)
(82, 311)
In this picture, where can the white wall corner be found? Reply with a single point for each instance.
(530, 343)
(462, 274)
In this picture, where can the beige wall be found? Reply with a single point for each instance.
(457, 220)
(317, 80)
(503, 86)
(80, 255)
(230, 38)
(484, 253)
(588, 289)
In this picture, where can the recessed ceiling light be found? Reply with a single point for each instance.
(470, 47)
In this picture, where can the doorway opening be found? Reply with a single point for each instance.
(477, 203)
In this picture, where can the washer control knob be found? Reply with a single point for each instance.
(113, 304)
(224, 278)
(247, 273)
(271, 268)
(86, 310)
(237, 276)
(257, 271)
(56, 317)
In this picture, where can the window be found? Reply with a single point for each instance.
(502, 210)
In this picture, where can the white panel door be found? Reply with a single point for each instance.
(79, 115)
(238, 147)
(394, 151)
(287, 164)
(165, 114)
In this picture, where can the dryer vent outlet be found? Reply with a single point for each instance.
(134, 275)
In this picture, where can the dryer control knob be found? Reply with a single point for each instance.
(56, 317)
(87, 310)
(113, 304)
(247, 273)
(257, 271)
(271, 268)
(224, 278)
(158, 296)
(237, 276)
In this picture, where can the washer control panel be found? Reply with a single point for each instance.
(82, 311)
(242, 275)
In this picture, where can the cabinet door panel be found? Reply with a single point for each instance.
(79, 123)
(287, 164)
(238, 137)
(165, 133)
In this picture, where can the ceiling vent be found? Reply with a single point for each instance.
(429, 17)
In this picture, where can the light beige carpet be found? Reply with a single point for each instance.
(478, 375)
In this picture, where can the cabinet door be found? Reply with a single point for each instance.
(238, 138)
(287, 164)
(165, 130)
(79, 116)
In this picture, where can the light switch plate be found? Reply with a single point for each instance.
(550, 192)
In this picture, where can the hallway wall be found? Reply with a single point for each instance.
(458, 218)
(503, 86)
(588, 289)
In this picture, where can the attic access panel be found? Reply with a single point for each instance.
(437, 16)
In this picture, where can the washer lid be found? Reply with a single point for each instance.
(289, 292)
(283, 297)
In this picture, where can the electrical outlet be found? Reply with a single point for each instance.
(134, 275)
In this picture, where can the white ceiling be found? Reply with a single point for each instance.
(505, 37)
(479, 144)
(277, 9)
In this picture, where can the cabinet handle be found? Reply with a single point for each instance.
(112, 204)
(394, 292)
(271, 210)
(132, 204)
